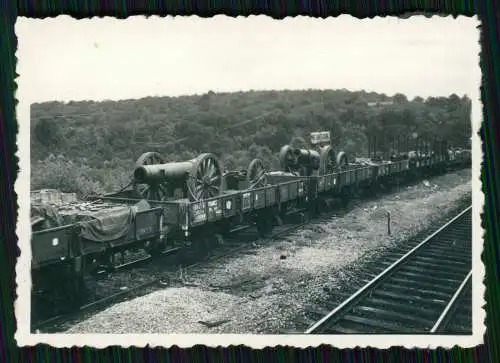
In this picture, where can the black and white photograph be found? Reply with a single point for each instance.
(249, 181)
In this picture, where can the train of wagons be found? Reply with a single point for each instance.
(170, 205)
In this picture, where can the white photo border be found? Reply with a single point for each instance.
(22, 306)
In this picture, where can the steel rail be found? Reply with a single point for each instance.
(347, 303)
(86, 308)
(452, 302)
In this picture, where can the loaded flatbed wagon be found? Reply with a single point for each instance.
(183, 216)
(173, 204)
(78, 237)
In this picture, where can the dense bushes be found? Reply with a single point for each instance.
(100, 141)
(58, 172)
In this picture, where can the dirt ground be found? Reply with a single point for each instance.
(262, 290)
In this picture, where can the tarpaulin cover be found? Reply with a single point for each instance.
(107, 225)
(99, 223)
(45, 217)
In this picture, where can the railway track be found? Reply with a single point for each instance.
(237, 242)
(232, 244)
(427, 290)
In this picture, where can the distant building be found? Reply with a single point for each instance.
(380, 103)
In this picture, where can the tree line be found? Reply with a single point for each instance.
(90, 147)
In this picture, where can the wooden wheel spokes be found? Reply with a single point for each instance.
(149, 158)
(342, 160)
(157, 191)
(328, 161)
(151, 191)
(330, 164)
(256, 174)
(287, 158)
(206, 178)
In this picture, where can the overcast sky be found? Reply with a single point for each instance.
(66, 59)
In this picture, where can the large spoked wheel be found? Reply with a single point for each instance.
(328, 161)
(205, 179)
(256, 174)
(153, 190)
(287, 158)
(342, 160)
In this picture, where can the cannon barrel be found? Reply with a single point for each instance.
(160, 172)
(308, 161)
(299, 160)
(307, 157)
(199, 178)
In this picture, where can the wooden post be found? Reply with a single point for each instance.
(388, 223)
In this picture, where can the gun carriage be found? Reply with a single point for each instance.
(211, 199)
(199, 178)
(255, 176)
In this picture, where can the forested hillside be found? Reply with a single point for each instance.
(90, 147)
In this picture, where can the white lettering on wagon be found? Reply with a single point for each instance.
(145, 231)
(198, 212)
(246, 200)
(214, 209)
(162, 235)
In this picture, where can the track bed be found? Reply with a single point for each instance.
(264, 287)
(415, 294)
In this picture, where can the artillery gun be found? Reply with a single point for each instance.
(299, 161)
(199, 178)
(306, 162)
(255, 176)
(329, 161)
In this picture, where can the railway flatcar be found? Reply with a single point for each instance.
(170, 205)
(72, 239)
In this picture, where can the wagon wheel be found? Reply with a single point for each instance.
(154, 190)
(256, 174)
(328, 161)
(341, 160)
(287, 158)
(205, 179)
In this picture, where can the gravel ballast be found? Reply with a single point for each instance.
(260, 291)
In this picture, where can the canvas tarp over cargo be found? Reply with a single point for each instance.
(100, 222)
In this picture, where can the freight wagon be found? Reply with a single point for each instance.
(170, 205)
